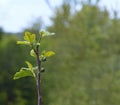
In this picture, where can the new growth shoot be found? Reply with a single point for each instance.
(31, 41)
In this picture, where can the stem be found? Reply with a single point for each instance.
(38, 75)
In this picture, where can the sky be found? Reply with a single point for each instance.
(15, 15)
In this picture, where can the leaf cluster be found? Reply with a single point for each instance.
(32, 42)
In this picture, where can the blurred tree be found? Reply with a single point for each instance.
(11, 92)
(1, 33)
(86, 70)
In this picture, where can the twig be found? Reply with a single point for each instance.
(38, 74)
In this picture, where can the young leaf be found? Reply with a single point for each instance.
(25, 72)
(29, 65)
(32, 53)
(30, 68)
(23, 42)
(46, 33)
(29, 37)
(22, 73)
(47, 54)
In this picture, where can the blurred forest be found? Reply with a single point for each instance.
(85, 69)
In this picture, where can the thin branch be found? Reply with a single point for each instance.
(38, 75)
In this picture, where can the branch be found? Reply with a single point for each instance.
(38, 74)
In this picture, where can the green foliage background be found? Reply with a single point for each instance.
(85, 69)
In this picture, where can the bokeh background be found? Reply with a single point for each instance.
(86, 67)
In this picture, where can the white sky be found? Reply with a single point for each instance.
(17, 14)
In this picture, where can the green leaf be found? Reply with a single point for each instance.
(22, 73)
(45, 54)
(30, 68)
(49, 53)
(25, 71)
(29, 37)
(46, 33)
(23, 42)
(29, 65)
(32, 53)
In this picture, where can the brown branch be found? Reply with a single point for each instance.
(38, 75)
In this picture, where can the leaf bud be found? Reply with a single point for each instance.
(42, 70)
